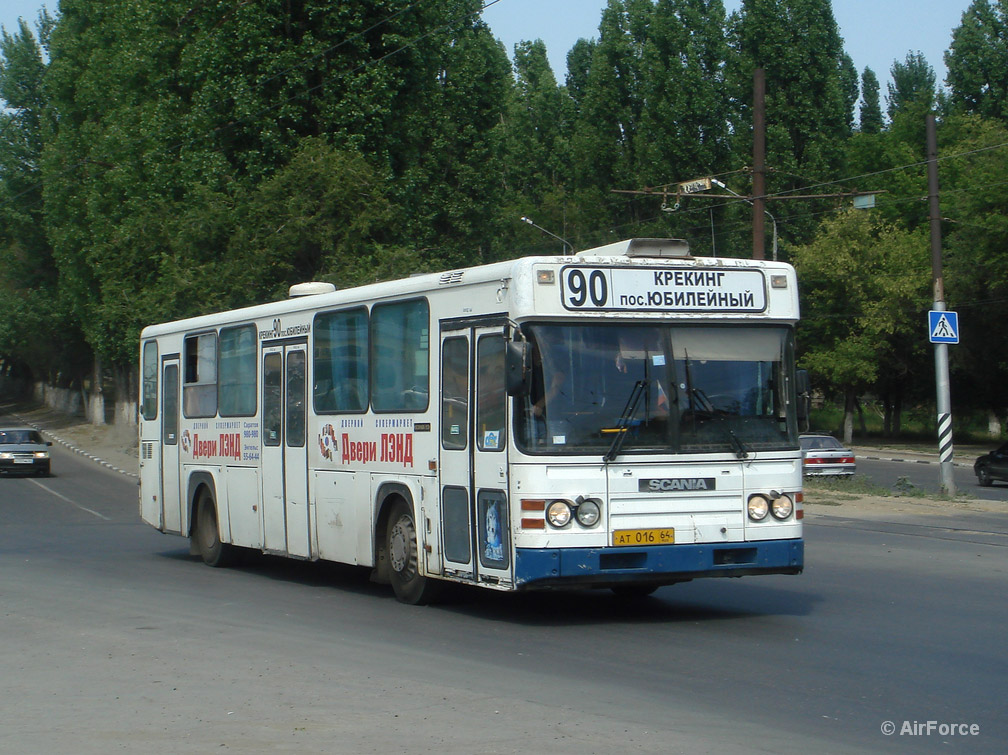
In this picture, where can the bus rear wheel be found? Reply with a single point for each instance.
(404, 556)
(207, 536)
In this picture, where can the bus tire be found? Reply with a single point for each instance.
(206, 535)
(403, 553)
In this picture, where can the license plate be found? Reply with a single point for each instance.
(24, 461)
(654, 536)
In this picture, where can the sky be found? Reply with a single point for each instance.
(875, 32)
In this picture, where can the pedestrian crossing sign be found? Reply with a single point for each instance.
(943, 327)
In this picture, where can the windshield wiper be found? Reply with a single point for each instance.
(740, 449)
(623, 423)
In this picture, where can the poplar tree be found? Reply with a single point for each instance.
(871, 108)
(38, 337)
(913, 86)
(798, 45)
(684, 126)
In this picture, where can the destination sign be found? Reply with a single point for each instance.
(663, 290)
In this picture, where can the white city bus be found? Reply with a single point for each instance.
(624, 418)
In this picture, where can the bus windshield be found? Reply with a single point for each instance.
(675, 388)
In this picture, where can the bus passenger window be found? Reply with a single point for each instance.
(341, 362)
(150, 376)
(238, 371)
(199, 394)
(400, 356)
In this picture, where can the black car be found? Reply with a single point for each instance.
(992, 466)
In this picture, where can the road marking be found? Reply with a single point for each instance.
(62, 497)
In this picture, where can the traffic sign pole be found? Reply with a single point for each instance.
(944, 393)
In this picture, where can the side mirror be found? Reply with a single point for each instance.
(516, 368)
(802, 387)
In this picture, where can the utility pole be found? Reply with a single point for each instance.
(941, 349)
(759, 164)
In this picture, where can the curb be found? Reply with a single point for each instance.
(79, 451)
(963, 464)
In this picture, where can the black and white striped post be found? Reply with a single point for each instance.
(944, 394)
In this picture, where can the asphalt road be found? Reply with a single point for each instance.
(116, 639)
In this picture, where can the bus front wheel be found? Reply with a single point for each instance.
(404, 556)
(207, 537)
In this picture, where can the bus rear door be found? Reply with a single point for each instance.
(171, 495)
(284, 450)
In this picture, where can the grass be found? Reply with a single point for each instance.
(846, 488)
(833, 491)
(917, 432)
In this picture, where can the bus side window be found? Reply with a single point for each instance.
(199, 395)
(237, 371)
(149, 408)
(400, 356)
(341, 361)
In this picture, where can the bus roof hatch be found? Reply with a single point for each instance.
(641, 248)
(310, 289)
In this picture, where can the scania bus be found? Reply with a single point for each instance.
(625, 417)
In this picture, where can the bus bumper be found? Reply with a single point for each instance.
(657, 564)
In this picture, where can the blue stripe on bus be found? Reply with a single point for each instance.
(656, 563)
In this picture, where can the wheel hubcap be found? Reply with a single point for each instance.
(399, 545)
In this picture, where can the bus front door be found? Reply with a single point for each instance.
(285, 521)
(475, 519)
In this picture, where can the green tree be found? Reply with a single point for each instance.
(973, 171)
(864, 291)
(977, 60)
(451, 186)
(37, 335)
(536, 151)
(610, 107)
(849, 87)
(685, 123)
(169, 118)
(315, 218)
(809, 108)
(871, 109)
(913, 85)
(578, 68)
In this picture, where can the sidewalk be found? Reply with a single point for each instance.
(111, 446)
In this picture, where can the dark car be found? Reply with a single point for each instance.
(22, 450)
(992, 466)
(825, 455)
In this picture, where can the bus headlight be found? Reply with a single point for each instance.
(782, 507)
(759, 507)
(558, 513)
(588, 512)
